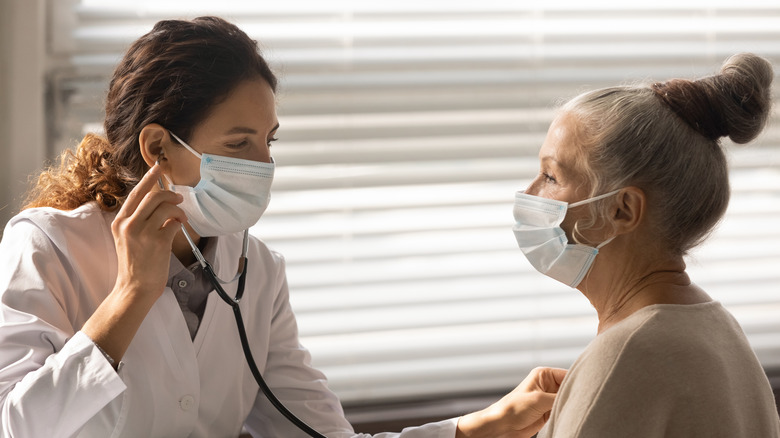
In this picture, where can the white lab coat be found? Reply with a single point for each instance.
(56, 267)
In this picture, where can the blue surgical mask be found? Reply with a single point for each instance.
(544, 243)
(231, 196)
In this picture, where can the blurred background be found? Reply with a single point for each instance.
(406, 128)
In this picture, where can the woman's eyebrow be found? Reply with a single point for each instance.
(559, 164)
(246, 130)
(240, 130)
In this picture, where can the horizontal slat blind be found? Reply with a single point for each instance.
(406, 129)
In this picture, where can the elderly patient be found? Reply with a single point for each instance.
(631, 178)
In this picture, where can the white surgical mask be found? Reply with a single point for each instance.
(544, 243)
(231, 196)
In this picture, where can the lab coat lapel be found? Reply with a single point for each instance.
(212, 301)
(177, 347)
(225, 265)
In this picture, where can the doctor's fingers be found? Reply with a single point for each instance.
(156, 212)
(166, 217)
(157, 199)
(544, 379)
(542, 402)
(145, 186)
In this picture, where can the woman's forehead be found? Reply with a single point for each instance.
(563, 146)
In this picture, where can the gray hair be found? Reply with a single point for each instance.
(664, 138)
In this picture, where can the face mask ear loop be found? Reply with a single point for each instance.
(593, 199)
(605, 242)
(185, 145)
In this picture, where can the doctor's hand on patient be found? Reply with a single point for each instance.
(519, 414)
(143, 231)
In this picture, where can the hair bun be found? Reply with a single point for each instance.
(733, 103)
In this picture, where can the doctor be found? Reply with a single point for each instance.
(107, 324)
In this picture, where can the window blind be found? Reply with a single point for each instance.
(406, 128)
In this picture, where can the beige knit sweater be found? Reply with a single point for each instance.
(667, 371)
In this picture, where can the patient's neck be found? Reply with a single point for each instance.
(619, 284)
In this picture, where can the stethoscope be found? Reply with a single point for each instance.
(234, 304)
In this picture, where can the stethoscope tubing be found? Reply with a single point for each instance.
(234, 304)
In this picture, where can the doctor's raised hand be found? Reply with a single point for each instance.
(109, 324)
(143, 233)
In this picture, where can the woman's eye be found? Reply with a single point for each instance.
(238, 145)
(271, 140)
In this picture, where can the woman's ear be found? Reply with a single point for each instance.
(152, 139)
(630, 209)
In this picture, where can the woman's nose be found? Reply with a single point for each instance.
(533, 188)
(263, 154)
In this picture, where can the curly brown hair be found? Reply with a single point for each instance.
(84, 175)
(173, 76)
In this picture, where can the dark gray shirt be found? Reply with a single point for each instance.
(191, 286)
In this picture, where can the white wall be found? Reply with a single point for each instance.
(22, 87)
